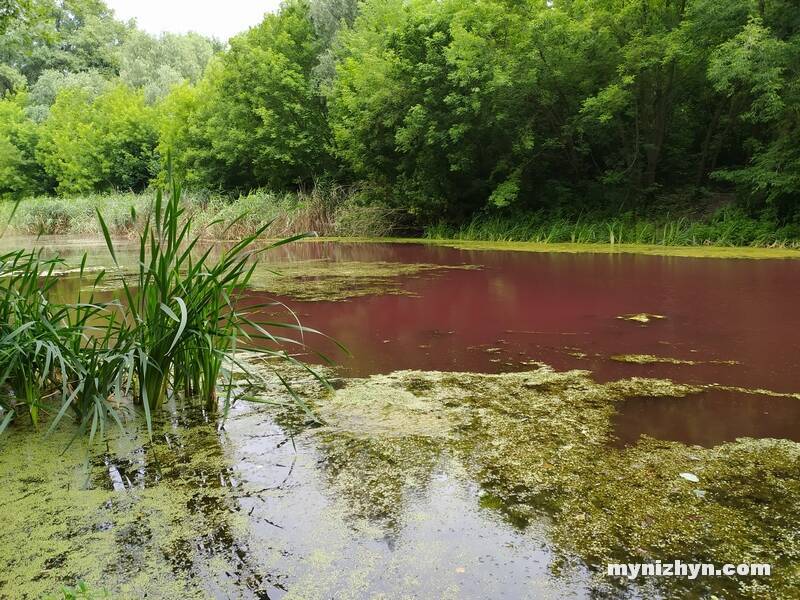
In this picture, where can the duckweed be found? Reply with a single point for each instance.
(166, 516)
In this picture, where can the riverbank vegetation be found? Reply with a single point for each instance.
(174, 332)
(600, 121)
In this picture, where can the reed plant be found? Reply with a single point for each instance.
(50, 353)
(184, 315)
(29, 344)
(175, 331)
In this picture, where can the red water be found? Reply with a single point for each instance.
(563, 309)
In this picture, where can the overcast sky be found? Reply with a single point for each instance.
(218, 18)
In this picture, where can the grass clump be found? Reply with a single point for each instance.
(47, 349)
(727, 226)
(178, 327)
(184, 316)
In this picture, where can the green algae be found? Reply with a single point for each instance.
(162, 517)
(643, 318)
(317, 280)
(539, 444)
(736, 252)
(136, 520)
(648, 359)
(331, 280)
(754, 391)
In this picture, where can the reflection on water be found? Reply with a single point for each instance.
(452, 486)
(709, 418)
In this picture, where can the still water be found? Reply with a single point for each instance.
(436, 503)
(734, 323)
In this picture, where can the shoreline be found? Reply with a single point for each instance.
(717, 252)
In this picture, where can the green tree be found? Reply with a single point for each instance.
(260, 121)
(108, 143)
(443, 101)
(156, 64)
(760, 68)
(20, 174)
(65, 35)
(43, 93)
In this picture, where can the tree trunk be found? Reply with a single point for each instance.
(702, 173)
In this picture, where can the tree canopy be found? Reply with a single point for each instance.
(443, 108)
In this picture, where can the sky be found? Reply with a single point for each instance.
(218, 18)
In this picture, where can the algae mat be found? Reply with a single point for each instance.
(412, 484)
(310, 280)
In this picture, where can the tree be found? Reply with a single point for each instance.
(260, 121)
(20, 175)
(64, 35)
(156, 64)
(44, 92)
(761, 69)
(108, 143)
(329, 17)
(443, 102)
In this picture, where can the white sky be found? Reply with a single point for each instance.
(218, 18)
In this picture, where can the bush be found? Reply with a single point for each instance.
(108, 143)
(20, 175)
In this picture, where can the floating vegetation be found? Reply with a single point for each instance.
(711, 252)
(320, 280)
(331, 280)
(647, 359)
(756, 391)
(142, 519)
(538, 444)
(642, 317)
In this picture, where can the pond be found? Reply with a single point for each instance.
(503, 425)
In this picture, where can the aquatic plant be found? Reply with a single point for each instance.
(30, 349)
(176, 331)
(182, 309)
(82, 591)
(729, 226)
(64, 355)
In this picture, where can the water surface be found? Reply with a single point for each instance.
(268, 505)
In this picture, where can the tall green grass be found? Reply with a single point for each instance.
(50, 354)
(326, 209)
(729, 226)
(176, 332)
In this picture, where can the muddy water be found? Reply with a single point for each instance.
(422, 485)
(733, 323)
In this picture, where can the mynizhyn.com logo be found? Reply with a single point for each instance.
(689, 570)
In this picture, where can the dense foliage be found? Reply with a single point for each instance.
(442, 109)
